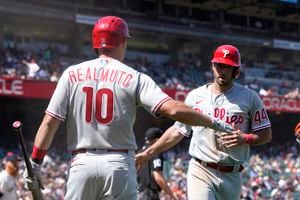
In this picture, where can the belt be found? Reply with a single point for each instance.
(221, 168)
(77, 151)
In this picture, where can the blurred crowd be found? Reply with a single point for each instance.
(271, 173)
(54, 172)
(17, 63)
(285, 89)
(181, 73)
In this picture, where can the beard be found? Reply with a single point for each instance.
(224, 82)
(12, 169)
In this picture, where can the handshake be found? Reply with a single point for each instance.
(219, 125)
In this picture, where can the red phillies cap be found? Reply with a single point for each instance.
(227, 54)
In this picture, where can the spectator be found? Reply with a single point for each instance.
(32, 67)
(293, 94)
(54, 76)
(8, 177)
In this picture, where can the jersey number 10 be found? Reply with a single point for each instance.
(103, 103)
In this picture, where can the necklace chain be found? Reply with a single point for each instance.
(218, 100)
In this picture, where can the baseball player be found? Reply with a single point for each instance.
(98, 99)
(217, 157)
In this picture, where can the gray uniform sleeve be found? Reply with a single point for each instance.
(259, 116)
(185, 129)
(58, 105)
(149, 94)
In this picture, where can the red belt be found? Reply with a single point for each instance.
(221, 168)
(77, 151)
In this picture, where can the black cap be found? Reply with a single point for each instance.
(153, 133)
(10, 156)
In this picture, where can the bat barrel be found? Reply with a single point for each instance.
(17, 126)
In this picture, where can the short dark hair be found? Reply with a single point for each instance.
(153, 133)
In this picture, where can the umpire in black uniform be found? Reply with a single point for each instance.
(150, 177)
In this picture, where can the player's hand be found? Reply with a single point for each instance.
(36, 181)
(141, 159)
(236, 138)
(233, 140)
(221, 126)
(31, 183)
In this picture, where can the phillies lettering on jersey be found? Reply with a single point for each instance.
(220, 113)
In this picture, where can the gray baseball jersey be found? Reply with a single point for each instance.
(98, 100)
(8, 186)
(238, 105)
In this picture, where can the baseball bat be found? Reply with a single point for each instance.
(36, 193)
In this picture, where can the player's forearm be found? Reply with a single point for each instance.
(260, 137)
(180, 112)
(170, 138)
(161, 181)
(46, 132)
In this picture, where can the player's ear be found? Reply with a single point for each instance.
(236, 73)
(211, 69)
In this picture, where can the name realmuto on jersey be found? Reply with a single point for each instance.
(119, 77)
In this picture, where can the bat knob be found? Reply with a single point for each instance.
(17, 124)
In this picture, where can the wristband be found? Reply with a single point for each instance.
(249, 138)
(38, 154)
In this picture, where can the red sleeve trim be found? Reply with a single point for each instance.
(155, 108)
(55, 115)
(181, 132)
